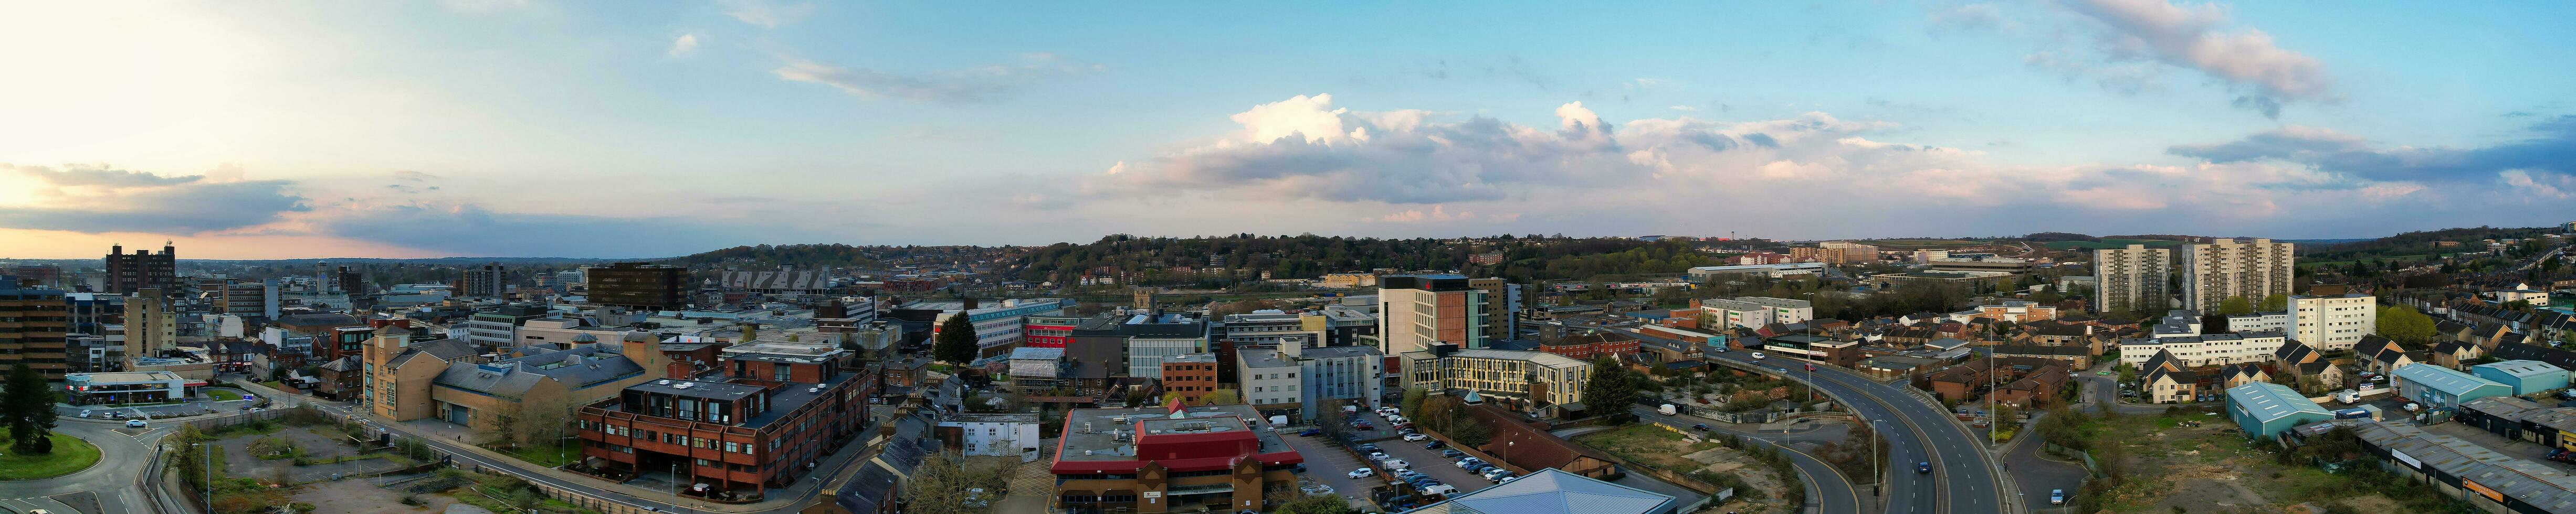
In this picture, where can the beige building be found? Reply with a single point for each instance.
(1347, 280)
(393, 362)
(1844, 253)
(2214, 272)
(1417, 311)
(151, 325)
(1535, 382)
(2132, 280)
(531, 387)
(2334, 322)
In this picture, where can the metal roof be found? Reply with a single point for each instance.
(1555, 491)
(2522, 368)
(2269, 402)
(2523, 480)
(2444, 379)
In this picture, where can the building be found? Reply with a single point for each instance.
(2016, 311)
(1553, 491)
(500, 327)
(2172, 385)
(2278, 321)
(1595, 344)
(1218, 458)
(477, 394)
(734, 439)
(1335, 376)
(1346, 280)
(1845, 253)
(1267, 329)
(1756, 311)
(1969, 281)
(1000, 435)
(152, 324)
(248, 298)
(2204, 349)
(997, 327)
(1048, 331)
(38, 337)
(2489, 481)
(1502, 299)
(130, 273)
(1706, 274)
(784, 280)
(1537, 382)
(2132, 279)
(644, 286)
(2007, 265)
(1189, 377)
(2334, 322)
(126, 387)
(487, 281)
(2525, 377)
(2264, 409)
(1144, 338)
(396, 368)
(1418, 311)
(2439, 387)
(1272, 383)
(2231, 268)
(1036, 368)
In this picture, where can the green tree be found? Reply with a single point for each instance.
(1611, 391)
(1315, 504)
(2236, 305)
(29, 404)
(2405, 325)
(941, 484)
(2276, 303)
(2567, 339)
(955, 343)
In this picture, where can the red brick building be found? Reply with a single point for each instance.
(1190, 377)
(1587, 347)
(1218, 458)
(733, 439)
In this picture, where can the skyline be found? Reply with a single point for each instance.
(499, 128)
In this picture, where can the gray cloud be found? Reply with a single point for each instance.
(112, 200)
(413, 176)
(2192, 38)
(985, 84)
(2549, 150)
(471, 229)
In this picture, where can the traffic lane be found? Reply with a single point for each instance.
(1832, 491)
(1906, 492)
(1327, 463)
(2039, 475)
(1969, 483)
(1429, 462)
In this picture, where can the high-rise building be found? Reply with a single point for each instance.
(127, 273)
(151, 324)
(2333, 322)
(486, 281)
(248, 298)
(1417, 311)
(36, 335)
(2132, 280)
(1844, 253)
(1502, 303)
(2230, 268)
(638, 285)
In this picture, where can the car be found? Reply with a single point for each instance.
(1759, 356)
(1364, 426)
(1416, 437)
(1923, 467)
(1811, 366)
(84, 413)
(1363, 473)
(1703, 427)
(1425, 483)
(1492, 474)
(1396, 464)
(257, 409)
(1508, 479)
(1407, 474)
(1368, 448)
(134, 423)
(1395, 418)
(1440, 489)
(1481, 469)
(2057, 497)
(1452, 453)
(1377, 456)
(1469, 462)
(1311, 432)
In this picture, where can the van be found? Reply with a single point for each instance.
(1667, 410)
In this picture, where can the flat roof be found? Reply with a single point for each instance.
(698, 389)
(2269, 401)
(1100, 430)
(2522, 368)
(2444, 379)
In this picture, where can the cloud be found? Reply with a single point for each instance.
(1979, 16)
(413, 176)
(2191, 37)
(685, 44)
(95, 199)
(767, 14)
(1437, 213)
(978, 85)
(2548, 152)
(473, 230)
(1683, 108)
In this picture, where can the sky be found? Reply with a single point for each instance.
(628, 129)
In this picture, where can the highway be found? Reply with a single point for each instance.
(1963, 478)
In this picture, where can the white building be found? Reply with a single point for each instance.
(2254, 270)
(1756, 311)
(1270, 381)
(2334, 322)
(1152, 337)
(2205, 349)
(997, 324)
(2537, 297)
(2259, 322)
(1338, 375)
(1001, 435)
(2131, 279)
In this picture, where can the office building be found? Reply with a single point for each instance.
(636, 285)
(500, 327)
(40, 321)
(1218, 458)
(1844, 253)
(1502, 301)
(1189, 377)
(1418, 311)
(1756, 311)
(2334, 322)
(1267, 329)
(128, 273)
(2214, 272)
(737, 438)
(151, 325)
(997, 326)
(487, 281)
(1535, 382)
(2133, 280)
(248, 298)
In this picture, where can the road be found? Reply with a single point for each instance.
(1829, 489)
(1964, 478)
(115, 484)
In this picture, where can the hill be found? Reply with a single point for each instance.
(826, 255)
(2415, 244)
(1161, 260)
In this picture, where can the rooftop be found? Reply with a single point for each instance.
(2522, 368)
(2529, 482)
(1110, 434)
(1555, 491)
(2269, 401)
(2444, 379)
(1542, 358)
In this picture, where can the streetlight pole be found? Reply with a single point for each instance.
(209, 477)
(1880, 467)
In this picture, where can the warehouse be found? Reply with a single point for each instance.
(2265, 409)
(2526, 377)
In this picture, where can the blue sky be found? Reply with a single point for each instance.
(493, 127)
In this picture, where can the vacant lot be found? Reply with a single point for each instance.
(2172, 467)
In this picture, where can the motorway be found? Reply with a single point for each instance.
(1963, 478)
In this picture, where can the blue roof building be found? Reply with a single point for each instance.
(2526, 377)
(2265, 409)
(1555, 491)
(2440, 387)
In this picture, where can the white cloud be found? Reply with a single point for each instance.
(1981, 16)
(683, 45)
(1437, 213)
(2192, 37)
(984, 84)
(767, 14)
(1684, 108)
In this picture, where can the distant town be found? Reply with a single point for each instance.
(2052, 372)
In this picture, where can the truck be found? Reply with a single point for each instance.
(1667, 410)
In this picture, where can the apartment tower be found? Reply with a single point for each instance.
(2132, 280)
(131, 272)
(1417, 311)
(36, 320)
(2229, 268)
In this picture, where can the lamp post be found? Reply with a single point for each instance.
(1874, 463)
(209, 477)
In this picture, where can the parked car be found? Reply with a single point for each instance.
(1495, 474)
(1311, 432)
(84, 413)
(1468, 462)
(135, 423)
(1397, 464)
(1440, 489)
(1416, 437)
(2057, 497)
(1703, 427)
(1363, 473)
(1395, 418)
(1377, 456)
(1452, 453)
(1364, 426)
(1368, 448)
(1435, 444)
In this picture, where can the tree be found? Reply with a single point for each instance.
(2567, 338)
(1315, 504)
(955, 342)
(29, 404)
(1412, 405)
(1611, 391)
(2405, 325)
(939, 486)
(2236, 305)
(2276, 303)
(1227, 396)
(1470, 434)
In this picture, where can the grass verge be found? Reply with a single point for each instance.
(70, 455)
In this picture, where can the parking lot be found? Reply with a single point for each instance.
(1429, 462)
(1330, 464)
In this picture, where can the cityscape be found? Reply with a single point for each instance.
(782, 257)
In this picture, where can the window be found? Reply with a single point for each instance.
(733, 447)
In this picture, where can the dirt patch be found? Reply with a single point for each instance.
(363, 497)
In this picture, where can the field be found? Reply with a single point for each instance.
(70, 455)
(2113, 243)
(2171, 467)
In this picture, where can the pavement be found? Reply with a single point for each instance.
(2039, 472)
(1965, 480)
(115, 485)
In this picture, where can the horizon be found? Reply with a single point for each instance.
(524, 130)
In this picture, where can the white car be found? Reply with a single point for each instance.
(1395, 418)
(1415, 437)
(85, 412)
(1759, 356)
(1440, 489)
(1469, 463)
(1363, 473)
(1377, 455)
(1396, 464)
(135, 423)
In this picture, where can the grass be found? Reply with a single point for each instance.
(1648, 445)
(70, 455)
(550, 456)
(223, 395)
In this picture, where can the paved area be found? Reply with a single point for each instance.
(2038, 472)
(238, 460)
(1327, 463)
(2517, 449)
(1429, 462)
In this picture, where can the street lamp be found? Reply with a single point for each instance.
(209, 477)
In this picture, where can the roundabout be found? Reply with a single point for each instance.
(70, 455)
